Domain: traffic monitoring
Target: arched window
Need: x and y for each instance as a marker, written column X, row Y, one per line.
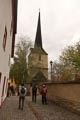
column 39, row 57
column 5, row 38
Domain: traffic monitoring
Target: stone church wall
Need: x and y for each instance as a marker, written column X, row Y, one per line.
column 35, row 65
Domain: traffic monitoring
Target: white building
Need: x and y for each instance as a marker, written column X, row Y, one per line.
column 8, row 23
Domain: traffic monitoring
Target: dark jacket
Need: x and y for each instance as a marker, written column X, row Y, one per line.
column 34, row 90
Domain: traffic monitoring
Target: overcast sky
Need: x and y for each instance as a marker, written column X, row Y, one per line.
column 60, row 23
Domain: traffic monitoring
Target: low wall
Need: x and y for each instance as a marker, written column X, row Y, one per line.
column 65, row 94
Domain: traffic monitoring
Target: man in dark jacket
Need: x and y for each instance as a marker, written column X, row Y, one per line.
column 34, row 93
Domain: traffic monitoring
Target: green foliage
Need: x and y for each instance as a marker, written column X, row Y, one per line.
column 71, row 57
column 18, row 69
column 61, row 72
column 69, row 64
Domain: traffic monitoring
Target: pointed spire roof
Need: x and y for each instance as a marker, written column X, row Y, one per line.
column 38, row 39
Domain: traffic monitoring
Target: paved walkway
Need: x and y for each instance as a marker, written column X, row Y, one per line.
column 32, row 111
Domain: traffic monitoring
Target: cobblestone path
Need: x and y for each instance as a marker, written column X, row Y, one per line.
column 32, row 111
column 10, row 111
column 52, row 111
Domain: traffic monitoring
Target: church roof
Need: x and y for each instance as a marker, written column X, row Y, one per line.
column 38, row 39
column 39, row 76
column 38, row 50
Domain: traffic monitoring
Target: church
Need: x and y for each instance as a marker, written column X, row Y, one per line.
column 38, row 59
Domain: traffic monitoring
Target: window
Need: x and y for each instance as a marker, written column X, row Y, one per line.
column 9, row 60
column 6, row 86
column 0, row 76
column 5, row 38
column 3, row 86
column 40, row 58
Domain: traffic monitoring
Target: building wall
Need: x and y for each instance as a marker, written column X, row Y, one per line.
column 36, row 65
column 5, row 21
column 66, row 95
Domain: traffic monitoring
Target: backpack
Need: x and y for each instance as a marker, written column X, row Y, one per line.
column 44, row 90
column 22, row 90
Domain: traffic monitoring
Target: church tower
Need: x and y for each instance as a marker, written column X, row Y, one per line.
column 38, row 59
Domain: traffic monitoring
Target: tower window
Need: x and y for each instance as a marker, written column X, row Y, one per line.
column 39, row 58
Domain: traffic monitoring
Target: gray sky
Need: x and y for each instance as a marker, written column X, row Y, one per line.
column 60, row 23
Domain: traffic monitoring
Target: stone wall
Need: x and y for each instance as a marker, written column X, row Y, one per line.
column 65, row 94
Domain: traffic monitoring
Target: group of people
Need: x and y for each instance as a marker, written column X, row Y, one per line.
column 43, row 92
column 11, row 90
column 23, row 91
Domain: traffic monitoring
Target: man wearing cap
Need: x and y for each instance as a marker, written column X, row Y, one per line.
column 43, row 93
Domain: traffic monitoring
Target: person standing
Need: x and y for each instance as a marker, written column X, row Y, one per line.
column 12, row 90
column 43, row 93
column 34, row 93
column 19, row 89
column 22, row 93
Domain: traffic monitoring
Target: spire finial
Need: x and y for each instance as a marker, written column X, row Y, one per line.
column 39, row 9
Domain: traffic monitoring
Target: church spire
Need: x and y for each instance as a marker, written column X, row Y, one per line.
column 38, row 39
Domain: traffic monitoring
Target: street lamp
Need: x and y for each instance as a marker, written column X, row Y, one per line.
column 51, row 63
